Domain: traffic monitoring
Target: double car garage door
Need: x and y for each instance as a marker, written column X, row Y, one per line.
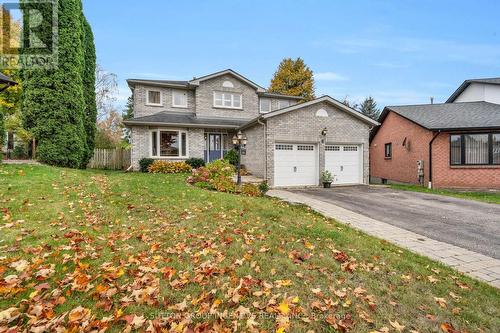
column 298, row 164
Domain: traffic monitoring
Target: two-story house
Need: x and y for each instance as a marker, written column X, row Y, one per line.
column 453, row 144
column 289, row 143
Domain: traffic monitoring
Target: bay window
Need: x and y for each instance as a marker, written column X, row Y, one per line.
column 227, row 100
column 168, row 143
column 475, row 149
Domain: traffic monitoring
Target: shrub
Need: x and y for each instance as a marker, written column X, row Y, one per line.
column 223, row 184
column 232, row 157
column 220, row 168
column 264, row 187
column 217, row 175
column 196, row 163
column 200, row 175
column 19, row 152
column 169, row 167
column 144, row 164
column 251, row 190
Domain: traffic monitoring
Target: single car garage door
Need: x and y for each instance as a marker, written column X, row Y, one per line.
column 345, row 162
column 295, row 164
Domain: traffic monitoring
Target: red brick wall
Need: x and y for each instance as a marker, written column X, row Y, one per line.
column 403, row 165
column 465, row 177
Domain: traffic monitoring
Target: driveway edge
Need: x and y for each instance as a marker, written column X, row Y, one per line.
column 474, row 264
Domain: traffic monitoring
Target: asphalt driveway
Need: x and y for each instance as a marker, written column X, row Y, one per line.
column 465, row 223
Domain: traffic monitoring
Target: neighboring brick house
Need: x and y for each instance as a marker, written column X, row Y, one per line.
column 289, row 144
column 457, row 142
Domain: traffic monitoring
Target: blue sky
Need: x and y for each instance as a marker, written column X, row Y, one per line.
column 400, row 52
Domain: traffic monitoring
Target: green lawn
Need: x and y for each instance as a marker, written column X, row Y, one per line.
column 144, row 251
column 491, row 197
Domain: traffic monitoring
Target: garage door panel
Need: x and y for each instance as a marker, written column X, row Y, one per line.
column 344, row 161
column 295, row 165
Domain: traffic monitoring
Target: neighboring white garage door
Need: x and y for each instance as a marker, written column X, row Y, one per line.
column 295, row 164
column 345, row 162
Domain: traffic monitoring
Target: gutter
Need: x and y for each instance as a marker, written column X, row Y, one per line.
column 259, row 121
column 430, row 157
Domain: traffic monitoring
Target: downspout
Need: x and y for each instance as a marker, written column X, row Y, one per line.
column 259, row 121
column 430, row 158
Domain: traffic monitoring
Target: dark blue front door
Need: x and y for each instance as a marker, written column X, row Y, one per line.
column 214, row 147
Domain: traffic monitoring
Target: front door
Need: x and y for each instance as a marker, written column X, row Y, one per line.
column 214, row 147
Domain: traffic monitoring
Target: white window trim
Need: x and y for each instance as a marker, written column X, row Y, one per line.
column 154, row 104
column 270, row 105
column 232, row 101
column 158, row 157
column 173, row 99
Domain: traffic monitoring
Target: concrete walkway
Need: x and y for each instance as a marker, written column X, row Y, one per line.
column 472, row 263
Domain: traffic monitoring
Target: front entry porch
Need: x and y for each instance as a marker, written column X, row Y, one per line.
column 217, row 144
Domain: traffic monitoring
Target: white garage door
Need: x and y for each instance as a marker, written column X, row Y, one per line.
column 295, row 164
column 345, row 163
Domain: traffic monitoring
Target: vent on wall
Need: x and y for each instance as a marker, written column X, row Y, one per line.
column 322, row 113
column 228, row 84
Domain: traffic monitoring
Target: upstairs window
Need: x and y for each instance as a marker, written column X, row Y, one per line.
column 179, row 99
column 227, row 100
column 153, row 97
column 284, row 103
column 475, row 149
column 265, row 105
column 388, row 150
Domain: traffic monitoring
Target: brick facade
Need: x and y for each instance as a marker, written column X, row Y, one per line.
column 402, row 167
column 303, row 126
column 446, row 176
column 140, row 99
column 205, row 98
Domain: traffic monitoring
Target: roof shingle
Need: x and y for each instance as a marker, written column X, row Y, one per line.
column 449, row 116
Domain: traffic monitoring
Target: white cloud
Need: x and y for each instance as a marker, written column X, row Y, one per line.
column 329, row 76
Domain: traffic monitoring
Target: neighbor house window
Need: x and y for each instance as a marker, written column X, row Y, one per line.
column 388, row 150
column 179, row 99
column 265, row 105
column 227, row 100
column 153, row 97
column 475, row 149
column 495, row 138
column 168, row 143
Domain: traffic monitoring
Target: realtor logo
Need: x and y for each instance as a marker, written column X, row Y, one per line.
column 29, row 34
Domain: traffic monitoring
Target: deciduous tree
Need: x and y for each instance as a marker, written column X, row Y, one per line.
column 295, row 78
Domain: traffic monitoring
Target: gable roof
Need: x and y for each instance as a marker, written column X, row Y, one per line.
column 466, row 83
column 196, row 81
column 327, row 99
column 321, row 99
column 449, row 116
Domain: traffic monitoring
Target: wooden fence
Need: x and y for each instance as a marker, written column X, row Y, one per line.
column 113, row 159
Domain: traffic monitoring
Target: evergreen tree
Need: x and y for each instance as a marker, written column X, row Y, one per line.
column 53, row 99
column 293, row 77
column 90, row 113
column 369, row 108
column 128, row 113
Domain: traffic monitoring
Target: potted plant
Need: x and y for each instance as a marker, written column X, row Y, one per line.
column 327, row 179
